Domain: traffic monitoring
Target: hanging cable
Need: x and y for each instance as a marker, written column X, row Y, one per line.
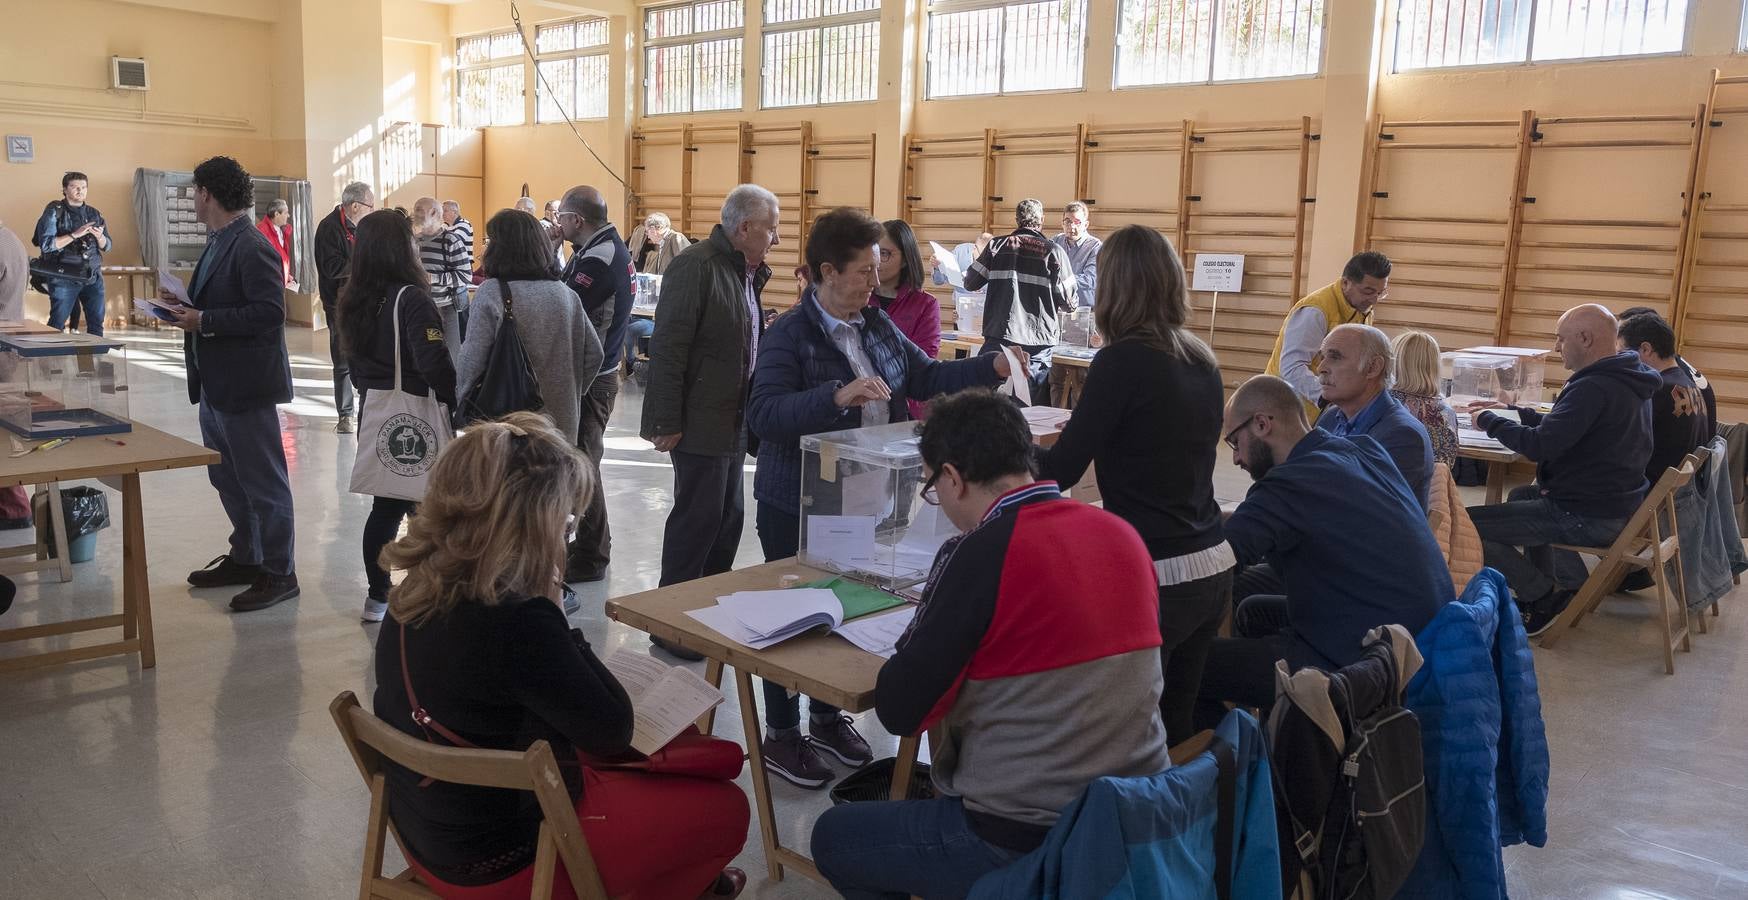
column 528, row 50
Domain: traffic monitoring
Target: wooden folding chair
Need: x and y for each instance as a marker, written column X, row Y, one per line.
column 372, row 740
column 1642, row 544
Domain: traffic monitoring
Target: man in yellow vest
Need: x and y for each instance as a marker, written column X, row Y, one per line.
column 1364, row 282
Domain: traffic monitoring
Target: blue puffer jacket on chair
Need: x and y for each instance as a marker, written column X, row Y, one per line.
column 1485, row 749
column 1136, row 838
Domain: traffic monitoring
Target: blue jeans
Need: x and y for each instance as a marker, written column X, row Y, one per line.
column 252, row 484
column 780, row 538
column 1532, row 522
column 89, row 297
column 636, row 330
column 922, row 848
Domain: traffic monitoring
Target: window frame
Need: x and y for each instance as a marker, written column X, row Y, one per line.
column 490, row 63
column 818, row 25
column 1213, row 49
column 932, row 7
column 1393, row 28
column 600, row 50
column 690, row 39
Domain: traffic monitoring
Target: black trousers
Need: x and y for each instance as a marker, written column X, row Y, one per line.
column 1258, row 579
column 593, row 547
column 1241, row 669
column 780, row 538
column 342, row 368
column 703, row 530
column 380, row 528
column 1189, row 620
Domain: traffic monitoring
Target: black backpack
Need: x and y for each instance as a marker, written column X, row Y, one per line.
column 1356, row 816
column 507, row 383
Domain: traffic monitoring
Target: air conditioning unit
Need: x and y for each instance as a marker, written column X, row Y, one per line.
column 128, row 74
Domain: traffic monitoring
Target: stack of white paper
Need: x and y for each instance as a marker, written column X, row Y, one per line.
column 761, row 619
column 878, row 634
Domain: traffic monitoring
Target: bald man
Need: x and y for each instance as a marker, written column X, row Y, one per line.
column 600, row 272
column 1341, row 527
column 1355, row 379
column 1590, row 452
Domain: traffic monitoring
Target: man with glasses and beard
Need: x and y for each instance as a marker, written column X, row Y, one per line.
column 1341, row 526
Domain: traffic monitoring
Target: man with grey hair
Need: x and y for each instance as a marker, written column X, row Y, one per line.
column 444, row 258
column 1355, row 378
column 454, row 220
column 701, row 359
column 600, row 274
column 1081, row 248
column 1029, row 281
column 333, row 256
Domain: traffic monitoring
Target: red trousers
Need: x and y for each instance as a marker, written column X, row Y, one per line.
column 653, row 837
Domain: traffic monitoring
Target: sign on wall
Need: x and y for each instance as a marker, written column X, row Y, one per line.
column 20, row 148
column 1218, row 272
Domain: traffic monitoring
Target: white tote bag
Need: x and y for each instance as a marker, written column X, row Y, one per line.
column 399, row 436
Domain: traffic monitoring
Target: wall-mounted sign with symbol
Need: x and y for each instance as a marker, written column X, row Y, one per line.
column 20, row 148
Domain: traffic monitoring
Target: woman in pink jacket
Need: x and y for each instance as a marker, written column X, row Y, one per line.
column 915, row 311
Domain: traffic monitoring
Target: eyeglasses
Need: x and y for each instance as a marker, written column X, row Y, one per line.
column 928, row 493
column 1231, row 438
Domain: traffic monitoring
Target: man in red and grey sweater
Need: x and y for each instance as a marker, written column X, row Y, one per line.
column 1034, row 658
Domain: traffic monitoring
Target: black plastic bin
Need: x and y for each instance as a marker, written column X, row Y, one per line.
column 873, row 782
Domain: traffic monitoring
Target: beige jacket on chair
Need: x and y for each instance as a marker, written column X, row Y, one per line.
column 1456, row 535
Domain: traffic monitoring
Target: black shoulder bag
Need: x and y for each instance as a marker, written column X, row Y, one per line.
column 507, row 383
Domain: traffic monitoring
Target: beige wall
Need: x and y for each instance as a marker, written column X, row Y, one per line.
column 58, row 93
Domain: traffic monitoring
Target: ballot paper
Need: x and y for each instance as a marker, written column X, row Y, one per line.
column 155, row 309
column 878, row 634
column 844, row 541
column 664, row 699
column 866, row 493
column 168, row 281
column 949, row 265
column 1477, row 439
column 1018, row 383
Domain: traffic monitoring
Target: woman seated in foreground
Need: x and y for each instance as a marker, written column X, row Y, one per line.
column 477, row 627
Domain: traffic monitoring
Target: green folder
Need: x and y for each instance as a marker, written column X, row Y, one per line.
column 858, row 599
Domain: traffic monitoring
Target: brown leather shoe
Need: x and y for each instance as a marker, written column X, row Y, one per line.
column 728, row 885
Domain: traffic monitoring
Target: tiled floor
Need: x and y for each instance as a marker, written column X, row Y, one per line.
column 218, row 774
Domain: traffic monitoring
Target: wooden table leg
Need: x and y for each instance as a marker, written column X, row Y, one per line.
column 903, row 766
column 1496, row 481
column 58, row 531
column 136, row 593
column 749, row 714
column 712, row 674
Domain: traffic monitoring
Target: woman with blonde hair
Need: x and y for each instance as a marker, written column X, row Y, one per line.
column 1149, row 416
column 476, row 635
column 1417, row 389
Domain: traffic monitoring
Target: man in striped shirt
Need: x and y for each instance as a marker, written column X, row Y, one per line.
column 443, row 253
column 455, row 222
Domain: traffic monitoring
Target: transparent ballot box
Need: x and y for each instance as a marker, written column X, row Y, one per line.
column 1513, row 378
column 861, row 514
column 62, row 385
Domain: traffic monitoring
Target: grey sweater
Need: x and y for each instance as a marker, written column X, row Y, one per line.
column 561, row 344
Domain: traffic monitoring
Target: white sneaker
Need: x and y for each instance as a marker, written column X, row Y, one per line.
column 374, row 610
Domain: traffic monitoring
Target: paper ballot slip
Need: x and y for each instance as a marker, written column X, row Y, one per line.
column 664, row 699
column 949, row 265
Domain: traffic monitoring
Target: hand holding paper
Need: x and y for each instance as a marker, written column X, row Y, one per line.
column 949, row 265
column 171, row 289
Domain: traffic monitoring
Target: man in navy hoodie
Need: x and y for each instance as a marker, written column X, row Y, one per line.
column 1590, row 453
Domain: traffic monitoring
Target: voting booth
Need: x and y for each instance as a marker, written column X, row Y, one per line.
column 861, row 511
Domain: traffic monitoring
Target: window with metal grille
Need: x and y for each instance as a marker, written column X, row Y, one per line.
column 489, row 80
column 573, row 70
column 979, row 48
column 820, row 51
column 1198, row 41
column 1438, row 33
column 692, row 56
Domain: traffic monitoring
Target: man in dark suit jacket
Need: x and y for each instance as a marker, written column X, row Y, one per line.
column 238, row 373
column 333, row 261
